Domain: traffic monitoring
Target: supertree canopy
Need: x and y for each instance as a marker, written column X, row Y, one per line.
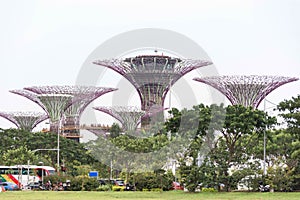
column 53, row 104
column 67, row 102
column 129, row 116
column 24, row 120
column 246, row 90
column 152, row 75
column 73, row 100
column 29, row 95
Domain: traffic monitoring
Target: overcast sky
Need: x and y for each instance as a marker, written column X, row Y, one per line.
column 46, row 42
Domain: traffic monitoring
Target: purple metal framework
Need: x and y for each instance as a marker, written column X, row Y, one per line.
column 51, row 104
column 29, row 95
column 79, row 98
column 246, row 90
column 64, row 101
column 24, row 120
column 129, row 116
column 152, row 75
column 55, row 105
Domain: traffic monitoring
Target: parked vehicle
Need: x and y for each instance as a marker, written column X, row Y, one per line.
column 34, row 186
column 129, row 187
column 177, row 186
column 22, row 174
column 9, row 186
column 116, row 182
column 263, row 188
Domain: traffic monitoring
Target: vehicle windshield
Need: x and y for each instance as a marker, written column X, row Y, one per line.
column 120, row 182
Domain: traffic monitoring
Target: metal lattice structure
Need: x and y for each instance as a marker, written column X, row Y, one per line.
column 129, row 116
column 152, row 75
column 29, row 95
column 24, row 120
column 47, row 101
column 246, row 90
column 55, row 105
column 69, row 101
column 102, row 131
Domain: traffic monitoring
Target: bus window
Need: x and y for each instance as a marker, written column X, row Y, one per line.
column 25, row 172
column 51, row 172
column 40, row 171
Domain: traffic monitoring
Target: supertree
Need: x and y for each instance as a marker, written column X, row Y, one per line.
column 152, row 75
column 128, row 116
column 55, row 105
column 246, row 90
column 69, row 102
column 24, row 120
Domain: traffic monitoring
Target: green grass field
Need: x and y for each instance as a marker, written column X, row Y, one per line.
column 172, row 195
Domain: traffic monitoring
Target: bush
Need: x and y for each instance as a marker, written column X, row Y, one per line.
column 104, row 188
column 209, row 190
column 78, row 183
column 156, row 190
column 149, row 180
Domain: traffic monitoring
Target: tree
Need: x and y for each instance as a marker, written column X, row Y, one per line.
column 196, row 131
column 129, row 153
column 115, row 130
column 71, row 153
column 290, row 111
column 240, row 123
column 19, row 156
column 233, row 123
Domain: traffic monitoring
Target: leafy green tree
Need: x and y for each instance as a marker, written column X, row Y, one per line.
column 129, row 153
column 196, row 128
column 290, row 111
column 290, row 138
column 240, row 125
column 71, row 153
column 234, row 124
column 19, row 156
column 115, row 130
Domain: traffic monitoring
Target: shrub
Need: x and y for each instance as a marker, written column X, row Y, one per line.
column 156, row 190
column 104, row 188
column 209, row 190
column 149, row 180
column 78, row 183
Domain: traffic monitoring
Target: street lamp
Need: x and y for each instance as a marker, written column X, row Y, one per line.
column 264, row 156
column 265, row 171
column 58, row 133
column 58, row 141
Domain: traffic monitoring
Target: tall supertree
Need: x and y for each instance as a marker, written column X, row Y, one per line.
column 53, row 104
column 129, row 116
column 74, row 99
column 24, row 120
column 246, row 90
column 152, row 75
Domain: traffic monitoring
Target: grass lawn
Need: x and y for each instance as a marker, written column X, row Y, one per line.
column 172, row 195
